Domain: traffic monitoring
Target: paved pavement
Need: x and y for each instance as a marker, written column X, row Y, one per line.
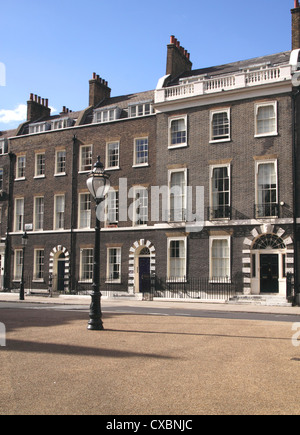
column 86, row 300
column 146, row 365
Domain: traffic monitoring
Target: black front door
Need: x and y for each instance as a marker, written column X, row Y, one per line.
column 144, row 275
column 269, row 273
column 61, row 275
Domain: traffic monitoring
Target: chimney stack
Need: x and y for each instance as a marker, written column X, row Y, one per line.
column 178, row 59
column 98, row 90
column 296, row 25
column 37, row 108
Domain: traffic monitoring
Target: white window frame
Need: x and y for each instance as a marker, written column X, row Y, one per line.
column 169, row 241
column 211, row 240
column 106, row 115
column 118, row 264
column 212, row 167
column 60, row 173
column 36, row 265
column 215, row 112
column 264, row 162
column 3, row 146
column 109, row 167
column 58, row 124
column 80, row 210
column 18, row 255
column 39, row 127
column 135, row 163
column 85, row 168
column 55, row 217
column 139, row 109
column 171, row 120
column 35, row 215
column 184, row 195
column 136, row 190
column 20, row 168
column 81, row 277
column 115, row 208
column 43, row 166
column 19, row 230
column 257, row 106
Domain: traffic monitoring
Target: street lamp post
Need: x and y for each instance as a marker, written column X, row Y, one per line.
column 24, row 243
column 98, row 184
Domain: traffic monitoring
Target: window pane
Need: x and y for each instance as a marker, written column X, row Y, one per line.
column 19, row 214
column 86, row 158
column 141, row 151
column 267, row 190
column 178, row 132
column 177, row 197
column 177, row 259
column 266, row 120
column 141, row 207
column 85, row 211
column 220, row 126
column 59, row 212
column 113, row 155
column 39, row 264
column 40, row 164
column 39, row 213
column 87, row 265
column 60, row 162
column 220, row 259
column 18, row 264
column 114, row 264
column 112, row 207
column 220, row 194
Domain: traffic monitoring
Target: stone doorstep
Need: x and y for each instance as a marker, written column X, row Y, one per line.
column 266, row 300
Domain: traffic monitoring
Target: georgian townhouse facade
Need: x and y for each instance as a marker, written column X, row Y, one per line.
column 230, row 132
column 204, row 174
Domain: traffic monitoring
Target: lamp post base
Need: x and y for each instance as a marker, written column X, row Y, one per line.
column 95, row 326
column 95, row 323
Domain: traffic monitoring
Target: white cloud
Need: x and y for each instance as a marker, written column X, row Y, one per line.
column 11, row 118
column 19, row 114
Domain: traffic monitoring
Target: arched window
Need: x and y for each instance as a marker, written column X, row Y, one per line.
column 269, row 241
column 145, row 251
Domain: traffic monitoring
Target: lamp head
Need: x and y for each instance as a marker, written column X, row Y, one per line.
column 98, row 182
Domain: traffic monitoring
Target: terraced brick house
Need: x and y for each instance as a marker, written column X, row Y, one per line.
column 204, row 175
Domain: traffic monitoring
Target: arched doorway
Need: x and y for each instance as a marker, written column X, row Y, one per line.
column 59, row 266
column 268, row 264
column 141, row 266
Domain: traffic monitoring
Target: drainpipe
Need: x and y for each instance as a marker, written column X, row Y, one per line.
column 294, row 111
column 72, row 281
column 7, row 264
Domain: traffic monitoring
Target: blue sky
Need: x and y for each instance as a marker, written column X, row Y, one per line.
column 52, row 48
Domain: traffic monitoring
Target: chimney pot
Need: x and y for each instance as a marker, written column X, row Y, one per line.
column 94, row 76
column 178, row 60
column 296, row 4
column 31, row 97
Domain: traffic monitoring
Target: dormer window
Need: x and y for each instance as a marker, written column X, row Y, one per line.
column 140, row 109
column 61, row 123
column 106, row 115
column 39, row 127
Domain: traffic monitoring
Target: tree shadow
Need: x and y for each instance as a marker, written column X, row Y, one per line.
column 14, row 345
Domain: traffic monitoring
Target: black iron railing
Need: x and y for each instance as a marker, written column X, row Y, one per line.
column 194, row 288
